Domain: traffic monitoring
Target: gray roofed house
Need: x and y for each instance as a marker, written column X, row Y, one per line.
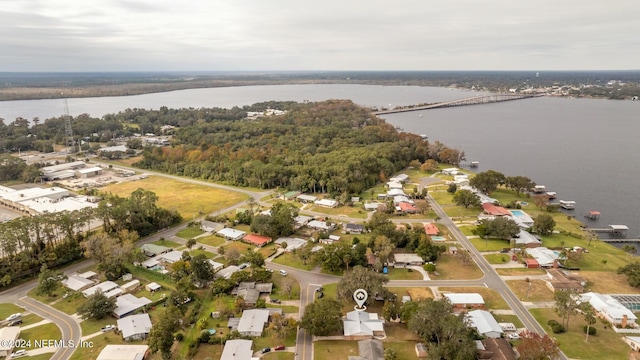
column 128, row 304
column 227, row 272
column 353, row 228
column 253, row 321
column 369, row 349
column 362, row 324
column 210, row 226
column 237, row 349
column 135, row 327
column 154, row 250
column 106, row 287
column 77, row 283
column 485, row 323
column 292, row 243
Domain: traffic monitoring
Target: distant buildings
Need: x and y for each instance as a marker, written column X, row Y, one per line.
column 40, row 200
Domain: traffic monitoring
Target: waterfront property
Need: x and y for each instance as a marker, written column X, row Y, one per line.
column 610, row 309
column 521, row 218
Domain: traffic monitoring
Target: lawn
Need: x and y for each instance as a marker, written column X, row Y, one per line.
column 607, row 282
column 404, row 274
column 7, row 310
column 333, row 350
column 492, row 300
column 519, row 271
column 211, row 240
column 497, row 258
column 278, row 280
column 450, row 268
column 341, row 211
column 489, row 244
column 189, row 232
column 415, row 293
column 243, row 248
column 279, row 355
column 514, row 319
column 606, row 344
column 168, row 243
column 70, row 304
column 99, row 342
column 93, row 326
column 289, row 259
column 538, row 290
column 189, row 199
column 41, row 333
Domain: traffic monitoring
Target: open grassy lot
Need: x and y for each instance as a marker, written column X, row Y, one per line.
column 607, row 282
column 188, row 199
column 450, row 268
column 341, row 211
column 401, row 340
column 41, row 332
column 279, row 355
column 167, row 243
column 538, row 291
column 278, row 292
column 70, row 304
column 498, row 258
column 492, row 300
column 514, row 319
column 292, row 260
column 189, row 232
column 489, row 244
column 519, row 271
column 243, row 248
column 334, row 349
column 415, row 293
column 93, row 326
column 404, row 274
column 211, row 240
column 606, row 344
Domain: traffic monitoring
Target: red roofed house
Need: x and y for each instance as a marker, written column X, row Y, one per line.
column 431, row 229
column 407, row 208
column 257, row 240
column 531, row 263
column 494, row 210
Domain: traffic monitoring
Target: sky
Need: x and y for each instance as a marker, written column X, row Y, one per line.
column 288, row 35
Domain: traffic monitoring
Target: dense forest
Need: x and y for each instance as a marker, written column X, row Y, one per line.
column 334, row 146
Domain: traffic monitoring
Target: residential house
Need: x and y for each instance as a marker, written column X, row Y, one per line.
column 494, row 210
column 231, row 234
column 394, row 193
column 169, row 257
column 450, row 171
column 496, row 349
column 633, row 341
column 461, row 301
column 152, row 287
column 216, row 266
column 329, row 203
column 610, row 309
column 361, row 325
column 401, row 178
column 127, row 304
column 108, row 288
column 135, row 327
column 123, row 352
column 372, row 206
column 154, row 250
column 253, row 321
column 525, row 239
column 353, row 228
column 237, row 349
column 301, row 220
column 8, row 337
column 320, row 225
column 77, row 283
column 369, row 349
column 403, row 260
column 292, row 243
column 250, row 291
column 257, row 240
column 290, row 195
column 406, row 208
column 560, row 280
column 130, row 286
column 306, row 199
column 431, row 229
column 394, row 185
column 211, row 226
column 546, row 258
column 227, row 272
column 330, row 240
column 484, row 323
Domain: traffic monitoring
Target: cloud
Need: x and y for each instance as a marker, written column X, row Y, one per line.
column 125, row 35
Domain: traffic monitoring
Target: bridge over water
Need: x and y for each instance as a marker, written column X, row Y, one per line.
column 475, row 100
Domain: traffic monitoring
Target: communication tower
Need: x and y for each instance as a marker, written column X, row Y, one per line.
column 67, row 128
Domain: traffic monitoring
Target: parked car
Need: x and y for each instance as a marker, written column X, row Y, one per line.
column 15, row 322
column 14, row 317
column 266, row 350
column 244, row 266
column 320, row 289
column 283, row 273
column 513, row 336
column 19, row 353
column 320, row 294
column 276, row 301
column 279, row 347
column 108, row 328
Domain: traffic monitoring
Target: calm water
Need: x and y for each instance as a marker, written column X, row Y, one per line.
column 585, row 150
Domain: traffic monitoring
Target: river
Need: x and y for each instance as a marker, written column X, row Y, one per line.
column 583, row 149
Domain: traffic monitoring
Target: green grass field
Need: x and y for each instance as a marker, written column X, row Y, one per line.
column 190, row 200
column 189, row 232
column 450, row 268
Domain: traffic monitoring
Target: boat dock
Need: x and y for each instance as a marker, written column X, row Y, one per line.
column 621, row 240
column 592, row 215
column 614, row 230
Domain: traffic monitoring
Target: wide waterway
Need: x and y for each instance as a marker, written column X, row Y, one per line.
column 585, row 150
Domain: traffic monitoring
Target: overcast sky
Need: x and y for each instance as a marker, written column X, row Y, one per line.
column 221, row 35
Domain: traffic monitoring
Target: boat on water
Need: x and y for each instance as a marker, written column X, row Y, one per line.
column 567, row 204
column 539, row 189
column 551, row 195
column 424, row 136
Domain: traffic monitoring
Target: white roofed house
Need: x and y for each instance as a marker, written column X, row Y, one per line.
column 77, row 283
column 394, row 185
column 127, row 304
column 329, row 203
column 123, row 352
column 253, row 321
column 362, row 325
column 107, row 288
column 320, row 225
column 461, row 301
column 237, row 349
column 610, row 309
column 401, row 178
column 304, row 198
column 231, row 234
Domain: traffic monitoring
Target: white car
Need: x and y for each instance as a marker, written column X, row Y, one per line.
column 19, row 353
column 513, row 336
column 283, row 273
column 108, row 328
column 14, row 317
